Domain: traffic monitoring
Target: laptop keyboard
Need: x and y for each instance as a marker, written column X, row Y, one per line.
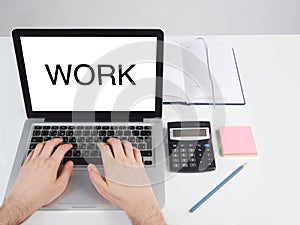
column 84, row 139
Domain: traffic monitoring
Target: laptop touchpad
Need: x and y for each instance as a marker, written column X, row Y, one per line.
column 81, row 191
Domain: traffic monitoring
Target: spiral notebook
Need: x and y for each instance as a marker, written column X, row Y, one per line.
column 202, row 71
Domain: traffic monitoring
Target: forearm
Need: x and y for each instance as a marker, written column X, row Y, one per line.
column 147, row 214
column 12, row 213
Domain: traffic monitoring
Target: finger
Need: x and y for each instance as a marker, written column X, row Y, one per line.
column 106, row 155
column 96, row 179
column 104, row 147
column 29, row 156
column 138, row 156
column 60, row 152
column 117, row 149
column 49, row 147
column 38, row 148
column 64, row 177
column 128, row 150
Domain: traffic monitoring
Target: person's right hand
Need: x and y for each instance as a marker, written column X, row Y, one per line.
column 126, row 183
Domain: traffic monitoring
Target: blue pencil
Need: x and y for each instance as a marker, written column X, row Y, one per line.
column 217, row 188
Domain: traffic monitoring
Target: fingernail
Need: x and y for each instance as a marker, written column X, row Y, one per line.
column 90, row 169
column 71, row 164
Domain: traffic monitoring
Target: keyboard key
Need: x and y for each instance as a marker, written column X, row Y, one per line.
column 89, row 139
column 141, row 146
column 46, row 127
column 47, row 138
column 193, row 165
column 184, row 165
column 36, row 133
column 139, row 139
column 184, row 160
column 192, row 159
column 80, row 127
column 36, row 139
column 97, row 139
column 149, row 144
column 77, row 153
column 53, row 133
column 37, row 127
column 78, row 132
column 110, row 133
column 102, row 133
column 70, row 133
column 131, row 128
column 105, row 139
column 139, row 127
column 65, row 139
column 54, row 127
column 32, row 146
column 88, row 127
column 146, row 153
column 61, row 133
column 86, row 153
column 82, row 146
column 127, row 133
column 84, row 161
column 119, row 133
column 135, row 133
column 105, row 127
column 45, row 133
column 122, row 127
column 131, row 139
column 191, row 154
column 74, row 146
column 91, row 146
column 98, row 127
column 148, row 162
column 63, row 127
column 86, row 133
column 69, row 153
column 147, row 127
column 72, row 140
column 81, row 139
column 94, row 133
column 71, row 127
column 94, row 153
column 145, row 133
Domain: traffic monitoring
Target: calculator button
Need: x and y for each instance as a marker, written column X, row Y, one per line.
column 184, row 160
column 175, row 150
column 190, row 145
column 206, row 145
column 174, row 145
column 192, row 159
column 183, row 150
column 176, row 165
column 191, row 154
column 191, row 149
column 183, row 154
column 176, row 160
column 193, row 165
column 175, row 155
column 184, row 165
column 182, row 145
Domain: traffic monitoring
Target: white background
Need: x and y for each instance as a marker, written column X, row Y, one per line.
column 45, row 96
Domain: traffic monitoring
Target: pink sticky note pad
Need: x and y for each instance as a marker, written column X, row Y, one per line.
column 237, row 140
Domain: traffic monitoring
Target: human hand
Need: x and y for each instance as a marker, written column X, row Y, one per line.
column 126, row 183
column 37, row 183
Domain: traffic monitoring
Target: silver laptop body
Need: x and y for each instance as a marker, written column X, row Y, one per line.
column 80, row 193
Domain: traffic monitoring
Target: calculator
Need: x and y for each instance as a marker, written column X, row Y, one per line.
column 190, row 146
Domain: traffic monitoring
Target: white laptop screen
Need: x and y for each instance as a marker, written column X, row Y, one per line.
column 91, row 73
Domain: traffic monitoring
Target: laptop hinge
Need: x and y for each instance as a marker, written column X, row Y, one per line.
column 104, row 119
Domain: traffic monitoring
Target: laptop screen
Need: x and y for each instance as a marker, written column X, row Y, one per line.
column 90, row 73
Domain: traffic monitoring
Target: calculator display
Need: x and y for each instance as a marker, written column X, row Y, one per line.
column 189, row 133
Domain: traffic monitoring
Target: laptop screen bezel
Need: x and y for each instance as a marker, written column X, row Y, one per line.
column 18, row 33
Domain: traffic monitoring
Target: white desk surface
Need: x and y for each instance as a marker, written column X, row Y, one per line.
column 266, row 192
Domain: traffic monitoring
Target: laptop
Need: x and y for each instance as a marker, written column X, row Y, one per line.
column 85, row 86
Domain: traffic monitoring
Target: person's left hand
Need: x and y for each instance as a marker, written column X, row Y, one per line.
column 37, row 183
